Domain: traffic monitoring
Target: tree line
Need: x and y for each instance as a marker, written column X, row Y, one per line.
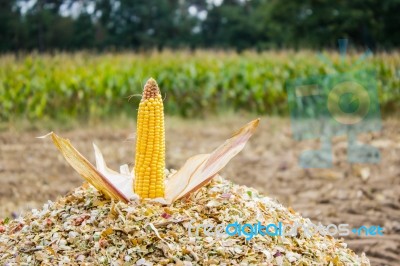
column 49, row 25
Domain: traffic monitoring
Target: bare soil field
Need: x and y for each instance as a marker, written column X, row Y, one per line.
column 33, row 172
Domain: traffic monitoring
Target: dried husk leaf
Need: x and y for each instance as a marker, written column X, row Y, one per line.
column 86, row 169
column 176, row 184
column 200, row 169
column 123, row 181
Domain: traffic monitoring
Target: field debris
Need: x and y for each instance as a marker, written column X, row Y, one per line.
column 85, row 228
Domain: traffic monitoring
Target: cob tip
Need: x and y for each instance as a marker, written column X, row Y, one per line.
column 151, row 89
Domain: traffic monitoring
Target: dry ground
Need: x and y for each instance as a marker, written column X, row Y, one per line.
column 32, row 172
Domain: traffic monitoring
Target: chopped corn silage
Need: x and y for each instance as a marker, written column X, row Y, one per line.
column 85, row 228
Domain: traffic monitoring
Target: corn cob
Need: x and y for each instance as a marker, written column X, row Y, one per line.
column 150, row 144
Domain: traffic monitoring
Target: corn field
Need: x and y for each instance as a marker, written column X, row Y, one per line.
column 86, row 85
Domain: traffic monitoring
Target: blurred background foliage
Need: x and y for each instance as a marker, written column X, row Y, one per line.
column 91, row 85
column 83, row 58
column 48, row 25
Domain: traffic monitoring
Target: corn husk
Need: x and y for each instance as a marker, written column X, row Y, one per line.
column 196, row 172
column 199, row 170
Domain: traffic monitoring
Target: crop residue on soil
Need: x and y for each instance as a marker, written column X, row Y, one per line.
column 83, row 227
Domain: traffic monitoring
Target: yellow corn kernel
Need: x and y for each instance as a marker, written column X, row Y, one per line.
column 150, row 144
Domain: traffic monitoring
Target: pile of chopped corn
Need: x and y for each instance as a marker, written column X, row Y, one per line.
column 85, row 228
